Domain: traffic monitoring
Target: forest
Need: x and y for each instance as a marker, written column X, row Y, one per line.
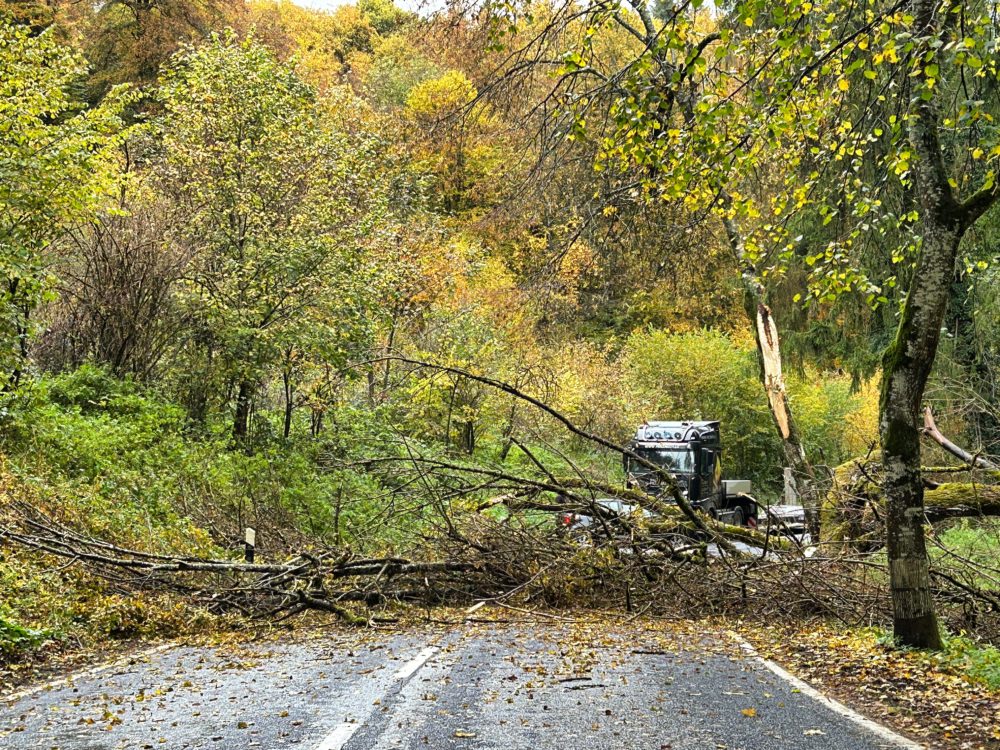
column 394, row 289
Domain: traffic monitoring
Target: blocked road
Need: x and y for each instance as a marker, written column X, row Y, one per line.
column 541, row 686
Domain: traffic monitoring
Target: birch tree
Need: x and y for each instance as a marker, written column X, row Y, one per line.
column 871, row 122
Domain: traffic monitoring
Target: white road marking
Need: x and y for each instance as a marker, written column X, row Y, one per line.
column 84, row 674
column 895, row 740
column 415, row 663
column 340, row 734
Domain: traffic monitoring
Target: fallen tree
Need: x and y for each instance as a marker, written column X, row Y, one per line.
column 503, row 550
column 489, row 533
column 463, row 549
column 321, row 580
column 854, row 508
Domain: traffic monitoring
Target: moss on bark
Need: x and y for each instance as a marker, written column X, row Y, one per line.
column 853, row 509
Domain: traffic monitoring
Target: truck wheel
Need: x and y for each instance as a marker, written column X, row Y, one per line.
column 739, row 517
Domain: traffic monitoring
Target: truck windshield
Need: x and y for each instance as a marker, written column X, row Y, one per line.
column 674, row 460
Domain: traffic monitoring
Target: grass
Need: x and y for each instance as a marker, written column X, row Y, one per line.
column 971, row 547
column 979, row 662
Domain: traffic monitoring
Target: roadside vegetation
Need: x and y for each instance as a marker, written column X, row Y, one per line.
column 393, row 290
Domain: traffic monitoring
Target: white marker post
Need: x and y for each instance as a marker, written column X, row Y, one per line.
column 251, row 542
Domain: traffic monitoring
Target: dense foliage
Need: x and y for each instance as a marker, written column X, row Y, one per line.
column 228, row 233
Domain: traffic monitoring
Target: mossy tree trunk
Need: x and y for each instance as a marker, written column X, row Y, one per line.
column 906, row 367
column 854, row 511
column 908, row 361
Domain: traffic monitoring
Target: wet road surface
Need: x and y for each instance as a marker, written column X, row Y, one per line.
column 582, row 686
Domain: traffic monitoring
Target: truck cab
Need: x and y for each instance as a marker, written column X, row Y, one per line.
column 691, row 452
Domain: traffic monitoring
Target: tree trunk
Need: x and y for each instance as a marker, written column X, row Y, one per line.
column 771, row 377
column 370, row 375
column 387, row 374
column 906, row 366
column 469, row 436
column 21, row 316
column 769, row 354
column 316, row 422
column 286, row 378
column 241, row 421
column 854, row 509
column 508, row 433
column 908, row 361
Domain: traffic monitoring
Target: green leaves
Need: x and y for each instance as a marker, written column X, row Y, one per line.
column 58, row 162
column 279, row 196
column 801, row 111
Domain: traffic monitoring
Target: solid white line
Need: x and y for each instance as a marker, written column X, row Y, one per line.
column 897, row 740
column 343, row 732
column 415, row 663
column 84, row 674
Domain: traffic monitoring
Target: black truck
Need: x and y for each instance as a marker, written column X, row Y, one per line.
column 691, row 452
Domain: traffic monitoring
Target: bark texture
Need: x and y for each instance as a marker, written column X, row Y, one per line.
column 908, row 361
column 906, row 367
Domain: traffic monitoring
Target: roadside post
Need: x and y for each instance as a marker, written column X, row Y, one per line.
column 250, row 541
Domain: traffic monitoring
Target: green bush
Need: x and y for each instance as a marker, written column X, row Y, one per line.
column 14, row 638
column 123, row 463
column 821, row 406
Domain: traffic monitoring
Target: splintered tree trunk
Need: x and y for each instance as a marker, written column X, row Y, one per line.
column 772, row 378
column 766, row 335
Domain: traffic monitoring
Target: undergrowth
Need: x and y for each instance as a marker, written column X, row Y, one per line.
column 115, row 461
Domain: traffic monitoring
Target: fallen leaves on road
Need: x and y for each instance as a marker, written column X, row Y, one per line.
column 910, row 691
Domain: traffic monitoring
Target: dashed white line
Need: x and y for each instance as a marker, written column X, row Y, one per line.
column 415, row 663
column 340, row 734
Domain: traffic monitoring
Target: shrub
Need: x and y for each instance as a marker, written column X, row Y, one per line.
column 14, row 638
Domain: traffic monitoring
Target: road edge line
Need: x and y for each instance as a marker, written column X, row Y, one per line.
column 83, row 674
column 834, row 705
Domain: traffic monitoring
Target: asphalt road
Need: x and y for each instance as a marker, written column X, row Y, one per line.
column 538, row 687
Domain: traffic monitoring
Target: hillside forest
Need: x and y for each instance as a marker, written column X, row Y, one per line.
column 395, row 288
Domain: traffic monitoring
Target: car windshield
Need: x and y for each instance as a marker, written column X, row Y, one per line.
column 674, row 460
